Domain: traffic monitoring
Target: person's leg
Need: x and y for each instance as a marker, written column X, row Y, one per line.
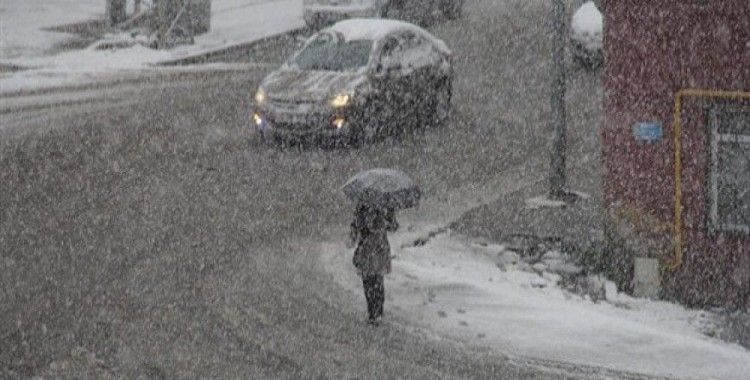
column 369, row 284
column 379, row 290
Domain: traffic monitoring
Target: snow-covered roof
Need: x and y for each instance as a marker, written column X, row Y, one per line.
column 587, row 19
column 377, row 28
column 370, row 28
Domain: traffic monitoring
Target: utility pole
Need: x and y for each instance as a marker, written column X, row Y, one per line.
column 557, row 102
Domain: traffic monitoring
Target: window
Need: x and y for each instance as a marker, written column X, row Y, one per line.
column 389, row 51
column 396, row 49
column 419, row 52
column 730, row 168
column 329, row 53
column 408, row 50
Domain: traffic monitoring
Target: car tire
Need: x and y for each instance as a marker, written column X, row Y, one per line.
column 353, row 142
column 441, row 102
column 357, row 136
column 258, row 138
column 277, row 141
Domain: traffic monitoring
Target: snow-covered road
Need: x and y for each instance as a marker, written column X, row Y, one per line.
column 151, row 237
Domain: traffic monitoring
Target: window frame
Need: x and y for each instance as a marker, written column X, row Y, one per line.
column 717, row 223
column 384, row 52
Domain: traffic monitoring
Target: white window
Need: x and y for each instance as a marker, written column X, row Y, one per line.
column 730, row 168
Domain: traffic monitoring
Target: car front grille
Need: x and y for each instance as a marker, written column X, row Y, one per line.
column 291, row 105
column 294, row 127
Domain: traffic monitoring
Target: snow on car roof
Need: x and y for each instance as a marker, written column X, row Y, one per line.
column 377, row 28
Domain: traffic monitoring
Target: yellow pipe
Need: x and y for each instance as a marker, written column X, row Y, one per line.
column 677, row 121
column 677, row 127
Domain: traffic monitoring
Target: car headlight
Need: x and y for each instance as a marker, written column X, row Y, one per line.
column 260, row 96
column 341, row 100
column 257, row 119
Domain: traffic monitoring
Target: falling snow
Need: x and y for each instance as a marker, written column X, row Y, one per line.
column 176, row 205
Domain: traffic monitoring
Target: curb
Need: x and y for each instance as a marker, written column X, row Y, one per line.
column 144, row 75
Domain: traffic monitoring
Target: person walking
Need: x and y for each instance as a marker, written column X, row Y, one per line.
column 372, row 256
column 377, row 194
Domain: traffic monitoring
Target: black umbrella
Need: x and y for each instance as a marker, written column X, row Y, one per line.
column 389, row 188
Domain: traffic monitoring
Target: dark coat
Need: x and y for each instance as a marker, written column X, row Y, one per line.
column 369, row 229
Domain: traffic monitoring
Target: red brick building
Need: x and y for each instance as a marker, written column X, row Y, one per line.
column 677, row 74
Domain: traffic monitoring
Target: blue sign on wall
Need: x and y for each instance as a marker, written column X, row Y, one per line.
column 648, row 131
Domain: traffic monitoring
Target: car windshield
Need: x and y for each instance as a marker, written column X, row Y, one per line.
column 328, row 53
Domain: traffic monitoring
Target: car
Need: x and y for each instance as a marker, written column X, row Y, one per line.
column 320, row 13
column 355, row 81
column 587, row 45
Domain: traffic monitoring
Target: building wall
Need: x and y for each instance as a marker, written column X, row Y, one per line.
column 654, row 48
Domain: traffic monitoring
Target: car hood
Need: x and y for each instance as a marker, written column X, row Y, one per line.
column 310, row 86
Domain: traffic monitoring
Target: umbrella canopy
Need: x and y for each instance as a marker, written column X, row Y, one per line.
column 389, row 188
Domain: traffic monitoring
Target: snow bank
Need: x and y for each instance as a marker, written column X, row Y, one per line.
column 79, row 67
column 527, row 314
column 93, row 60
column 233, row 22
column 22, row 23
column 459, row 290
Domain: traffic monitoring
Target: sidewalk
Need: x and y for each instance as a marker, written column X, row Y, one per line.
column 523, row 219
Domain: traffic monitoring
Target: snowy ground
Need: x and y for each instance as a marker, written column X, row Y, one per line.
column 458, row 289
column 22, row 24
column 24, row 44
